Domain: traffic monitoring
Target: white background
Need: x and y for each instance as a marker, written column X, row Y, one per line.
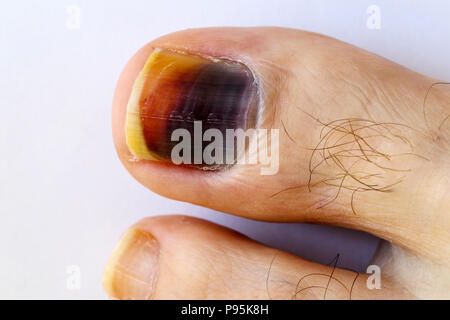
column 64, row 196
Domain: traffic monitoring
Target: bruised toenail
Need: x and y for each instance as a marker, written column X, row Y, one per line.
column 179, row 91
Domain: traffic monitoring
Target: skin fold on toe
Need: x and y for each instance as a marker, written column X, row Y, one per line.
column 363, row 142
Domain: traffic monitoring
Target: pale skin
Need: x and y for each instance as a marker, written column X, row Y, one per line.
column 309, row 84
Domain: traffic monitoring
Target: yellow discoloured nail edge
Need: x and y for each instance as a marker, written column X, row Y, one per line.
column 134, row 132
column 132, row 267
